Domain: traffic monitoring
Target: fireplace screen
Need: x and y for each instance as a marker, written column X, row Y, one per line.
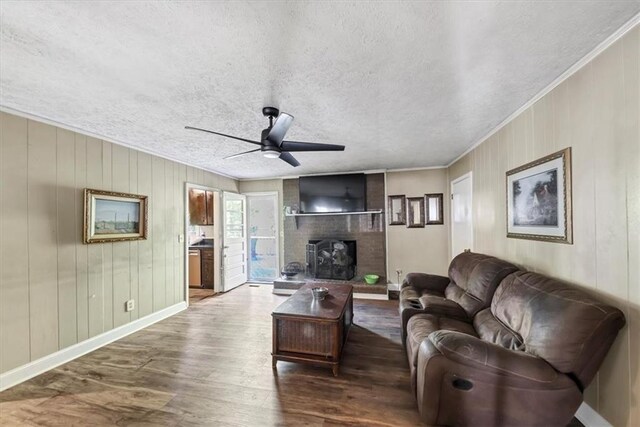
column 331, row 259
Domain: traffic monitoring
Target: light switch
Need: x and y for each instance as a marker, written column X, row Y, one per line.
column 180, row 238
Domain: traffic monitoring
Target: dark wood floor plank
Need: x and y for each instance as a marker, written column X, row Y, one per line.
column 211, row 365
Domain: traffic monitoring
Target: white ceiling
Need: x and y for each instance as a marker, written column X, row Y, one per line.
column 400, row 84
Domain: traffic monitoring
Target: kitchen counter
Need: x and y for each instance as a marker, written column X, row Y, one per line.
column 202, row 244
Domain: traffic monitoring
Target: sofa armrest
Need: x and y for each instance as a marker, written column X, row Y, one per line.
column 423, row 281
column 491, row 358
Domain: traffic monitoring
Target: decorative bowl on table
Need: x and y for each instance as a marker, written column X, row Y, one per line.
column 292, row 269
column 371, row 279
column 319, row 293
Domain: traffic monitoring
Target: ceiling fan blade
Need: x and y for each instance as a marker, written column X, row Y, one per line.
column 240, row 154
column 222, row 134
column 309, row 146
column 289, row 159
column 279, row 128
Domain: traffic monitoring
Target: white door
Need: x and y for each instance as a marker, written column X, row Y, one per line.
column 461, row 215
column 262, row 225
column 234, row 240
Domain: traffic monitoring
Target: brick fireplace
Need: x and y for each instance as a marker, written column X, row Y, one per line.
column 365, row 231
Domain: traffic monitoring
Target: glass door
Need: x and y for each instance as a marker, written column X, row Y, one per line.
column 262, row 225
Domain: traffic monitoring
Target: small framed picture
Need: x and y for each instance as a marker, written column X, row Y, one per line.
column 435, row 214
column 415, row 209
column 539, row 199
column 397, row 213
column 114, row 217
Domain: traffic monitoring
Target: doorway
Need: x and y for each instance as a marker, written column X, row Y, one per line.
column 202, row 242
column 263, row 233
column 461, row 214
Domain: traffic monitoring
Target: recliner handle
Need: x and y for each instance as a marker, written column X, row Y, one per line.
column 462, row 384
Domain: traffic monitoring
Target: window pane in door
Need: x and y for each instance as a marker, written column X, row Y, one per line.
column 262, row 228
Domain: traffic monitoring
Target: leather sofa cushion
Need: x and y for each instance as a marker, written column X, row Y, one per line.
column 474, row 278
column 558, row 322
column 421, row 325
column 439, row 305
column 411, row 293
column 490, row 329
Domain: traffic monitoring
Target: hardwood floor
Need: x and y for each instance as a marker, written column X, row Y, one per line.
column 211, row 365
column 199, row 294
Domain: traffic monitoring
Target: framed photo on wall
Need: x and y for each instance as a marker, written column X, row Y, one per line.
column 539, row 199
column 397, row 213
column 415, row 209
column 435, row 213
column 114, row 217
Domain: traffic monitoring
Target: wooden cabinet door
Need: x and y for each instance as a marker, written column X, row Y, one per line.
column 209, row 197
column 206, row 259
column 197, row 207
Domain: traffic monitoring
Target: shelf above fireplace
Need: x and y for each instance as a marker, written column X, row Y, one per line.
column 298, row 215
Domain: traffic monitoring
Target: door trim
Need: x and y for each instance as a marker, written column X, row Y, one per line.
column 468, row 175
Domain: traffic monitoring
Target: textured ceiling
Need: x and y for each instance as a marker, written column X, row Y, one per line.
column 401, row 84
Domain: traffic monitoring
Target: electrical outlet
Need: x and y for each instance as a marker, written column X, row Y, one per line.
column 129, row 305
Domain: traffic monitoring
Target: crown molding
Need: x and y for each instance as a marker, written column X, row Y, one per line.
column 620, row 32
column 628, row 26
column 52, row 122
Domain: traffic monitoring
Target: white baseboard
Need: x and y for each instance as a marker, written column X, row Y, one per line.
column 371, row 296
column 393, row 286
column 37, row 367
column 590, row 418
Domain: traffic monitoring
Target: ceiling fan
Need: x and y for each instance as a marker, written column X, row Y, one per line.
column 272, row 142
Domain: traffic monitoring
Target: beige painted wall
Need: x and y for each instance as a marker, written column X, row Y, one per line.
column 54, row 290
column 418, row 249
column 258, row 186
column 596, row 112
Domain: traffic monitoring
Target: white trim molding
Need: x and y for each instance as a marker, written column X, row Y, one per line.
column 359, row 295
column 85, row 132
column 46, row 363
column 590, row 418
column 628, row 26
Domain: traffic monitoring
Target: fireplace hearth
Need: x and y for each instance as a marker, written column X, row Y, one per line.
column 331, row 259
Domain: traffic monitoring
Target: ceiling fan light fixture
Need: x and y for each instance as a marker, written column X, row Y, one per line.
column 271, row 154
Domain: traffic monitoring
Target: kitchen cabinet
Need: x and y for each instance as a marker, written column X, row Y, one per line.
column 209, row 200
column 206, row 260
column 200, row 207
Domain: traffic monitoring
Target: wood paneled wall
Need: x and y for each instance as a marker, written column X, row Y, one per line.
column 597, row 113
column 56, row 291
column 418, row 249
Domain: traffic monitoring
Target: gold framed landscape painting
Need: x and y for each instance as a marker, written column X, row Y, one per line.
column 114, row 217
column 539, row 199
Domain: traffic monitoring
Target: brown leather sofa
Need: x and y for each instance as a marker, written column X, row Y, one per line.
column 525, row 360
column 472, row 280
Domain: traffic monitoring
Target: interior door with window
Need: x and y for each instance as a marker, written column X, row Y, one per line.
column 234, row 249
column 461, row 215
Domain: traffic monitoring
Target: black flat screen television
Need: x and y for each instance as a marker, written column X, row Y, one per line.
column 333, row 193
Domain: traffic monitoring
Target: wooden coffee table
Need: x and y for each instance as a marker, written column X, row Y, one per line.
column 314, row 332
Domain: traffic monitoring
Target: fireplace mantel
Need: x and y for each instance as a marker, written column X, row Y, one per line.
column 298, row 215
